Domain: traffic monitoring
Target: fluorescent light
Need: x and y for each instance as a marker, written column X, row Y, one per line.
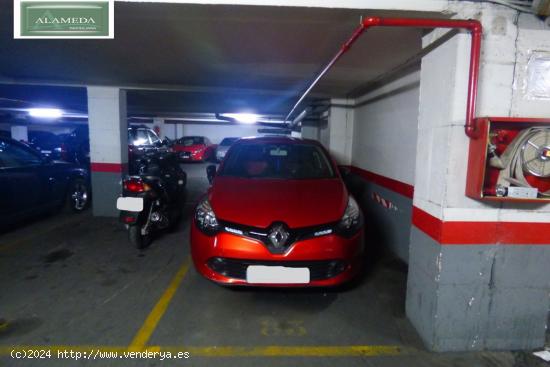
column 244, row 118
column 45, row 113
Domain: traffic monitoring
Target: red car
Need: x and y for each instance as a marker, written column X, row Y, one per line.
column 194, row 148
column 277, row 214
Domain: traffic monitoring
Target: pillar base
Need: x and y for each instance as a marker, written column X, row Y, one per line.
column 106, row 189
column 477, row 297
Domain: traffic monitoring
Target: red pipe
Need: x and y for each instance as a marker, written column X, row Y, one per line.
column 473, row 26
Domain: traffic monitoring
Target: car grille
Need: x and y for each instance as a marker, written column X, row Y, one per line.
column 262, row 234
column 236, row 268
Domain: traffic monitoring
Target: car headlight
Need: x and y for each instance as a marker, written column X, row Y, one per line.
column 352, row 220
column 205, row 218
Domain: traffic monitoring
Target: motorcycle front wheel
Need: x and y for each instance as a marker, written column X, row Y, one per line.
column 137, row 239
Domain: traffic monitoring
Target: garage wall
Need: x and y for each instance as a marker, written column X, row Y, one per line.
column 383, row 160
column 215, row 132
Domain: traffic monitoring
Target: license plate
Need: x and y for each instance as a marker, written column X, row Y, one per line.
column 261, row 274
column 186, row 155
column 130, row 204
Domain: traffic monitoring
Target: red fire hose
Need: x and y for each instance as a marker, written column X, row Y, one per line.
column 473, row 26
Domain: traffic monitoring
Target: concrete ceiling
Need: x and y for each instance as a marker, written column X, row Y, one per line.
column 237, row 57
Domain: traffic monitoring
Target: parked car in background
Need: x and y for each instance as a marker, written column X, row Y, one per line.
column 48, row 144
column 142, row 141
column 77, row 145
column 194, row 148
column 73, row 147
column 277, row 214
column 33, row 184
column 223, row 147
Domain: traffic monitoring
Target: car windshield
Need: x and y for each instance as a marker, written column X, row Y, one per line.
column 138, row 137
column 190, row 140
column 228, row 141
column 285, row 161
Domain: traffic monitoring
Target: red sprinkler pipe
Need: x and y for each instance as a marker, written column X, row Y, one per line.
column 473, row 26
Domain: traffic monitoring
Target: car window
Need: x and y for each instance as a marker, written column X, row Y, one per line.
column 12, row 155
column 138, row 137
column 287, row 161
column 190, row 140
column 228, row 141
column 153, row 137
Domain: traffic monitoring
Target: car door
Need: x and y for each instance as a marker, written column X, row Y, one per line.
column 21, row 181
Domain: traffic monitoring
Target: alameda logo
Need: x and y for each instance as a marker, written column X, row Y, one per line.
column 65, row 19
column 46, row 20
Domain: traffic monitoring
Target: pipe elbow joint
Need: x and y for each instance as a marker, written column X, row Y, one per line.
column 476, row 27
column 371, row 22
column 471, row 130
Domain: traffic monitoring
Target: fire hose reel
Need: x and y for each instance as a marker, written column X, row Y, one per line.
column 510, row 161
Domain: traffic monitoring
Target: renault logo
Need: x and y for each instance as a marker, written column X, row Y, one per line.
column 278, row 236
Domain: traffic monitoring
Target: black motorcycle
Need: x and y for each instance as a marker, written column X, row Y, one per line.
column 152, row 196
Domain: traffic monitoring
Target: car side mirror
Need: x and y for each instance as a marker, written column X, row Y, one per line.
column 211, row 173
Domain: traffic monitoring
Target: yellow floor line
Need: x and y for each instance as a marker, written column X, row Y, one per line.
column 234, row 351
column 148, row 327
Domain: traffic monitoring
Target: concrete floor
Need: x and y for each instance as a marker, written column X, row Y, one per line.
column 73, row 282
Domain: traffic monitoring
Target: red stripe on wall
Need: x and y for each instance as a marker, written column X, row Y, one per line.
column 108, row 167
column 389, row 183
column 481, row 233
column 463, row 233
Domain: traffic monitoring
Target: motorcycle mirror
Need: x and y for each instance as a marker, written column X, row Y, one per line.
column 211, row 173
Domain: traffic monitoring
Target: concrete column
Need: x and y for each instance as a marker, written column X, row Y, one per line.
column 478, row 275
column 340, row 131
column 19, row 133
column 108, row 146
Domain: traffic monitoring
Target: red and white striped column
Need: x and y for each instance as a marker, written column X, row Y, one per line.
column 478, row 275
column 108, row 146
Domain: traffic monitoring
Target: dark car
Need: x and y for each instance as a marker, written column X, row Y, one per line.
column 33, row 184
column 48, row 144
column 143, row 141
column 77, row 145
column 223, row 147
column 72, row 147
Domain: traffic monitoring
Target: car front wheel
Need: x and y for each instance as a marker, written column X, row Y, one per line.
column 79, row 195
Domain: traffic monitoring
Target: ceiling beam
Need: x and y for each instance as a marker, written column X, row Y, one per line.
column 417, row 5
column 159, row 87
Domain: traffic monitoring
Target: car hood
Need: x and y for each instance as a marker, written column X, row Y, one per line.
column 189, row 148
column 260, row 202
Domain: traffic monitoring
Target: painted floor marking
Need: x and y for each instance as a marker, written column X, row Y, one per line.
column 150, row 324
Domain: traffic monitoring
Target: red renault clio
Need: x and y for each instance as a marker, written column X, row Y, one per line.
column 277, row 214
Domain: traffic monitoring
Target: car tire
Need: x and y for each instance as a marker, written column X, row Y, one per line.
column 138, row 240
column 78, row 195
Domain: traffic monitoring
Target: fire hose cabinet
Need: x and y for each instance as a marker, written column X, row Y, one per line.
column 510, row 160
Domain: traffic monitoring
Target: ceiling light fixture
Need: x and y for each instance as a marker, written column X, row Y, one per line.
column 243, row 118
column 45, row 113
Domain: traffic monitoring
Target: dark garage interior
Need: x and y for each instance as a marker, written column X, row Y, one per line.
column 273, row 182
